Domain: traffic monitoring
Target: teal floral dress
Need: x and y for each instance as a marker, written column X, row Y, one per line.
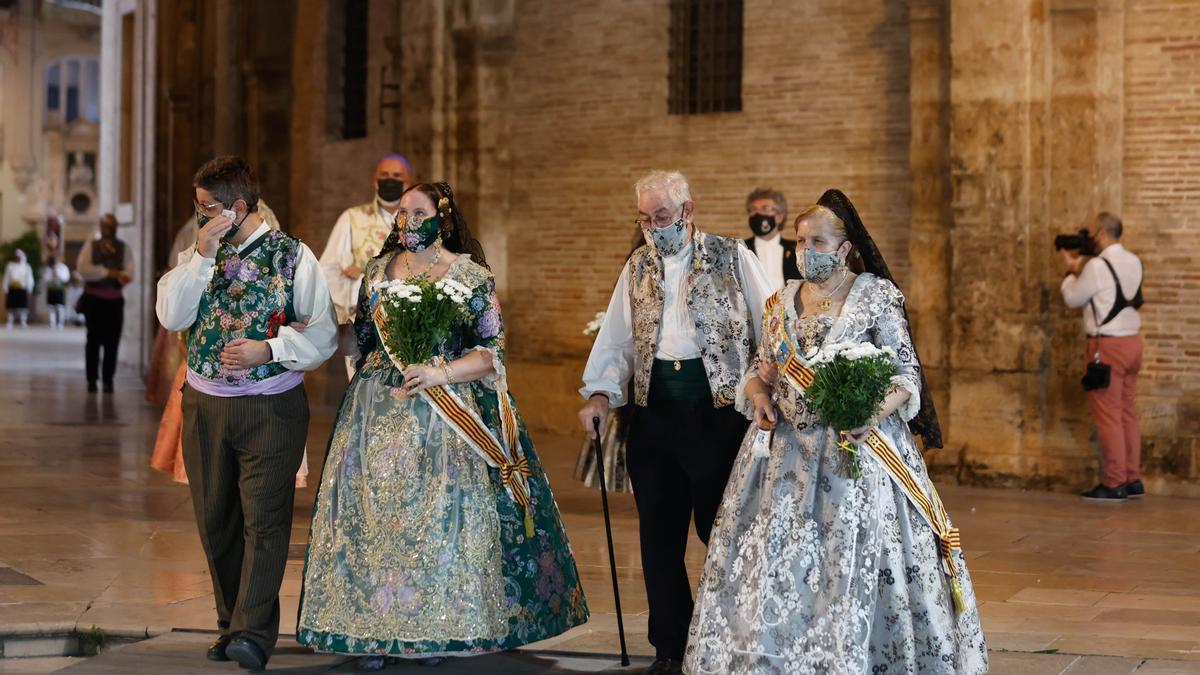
column 416, row 549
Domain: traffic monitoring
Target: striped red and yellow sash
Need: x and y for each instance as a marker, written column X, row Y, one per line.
column 928, row 504
column 502, row 453
column 514, row 470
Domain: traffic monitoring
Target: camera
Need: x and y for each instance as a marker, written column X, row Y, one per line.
column 1079, row 241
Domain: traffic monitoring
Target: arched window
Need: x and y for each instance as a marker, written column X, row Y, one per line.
column 73, row 90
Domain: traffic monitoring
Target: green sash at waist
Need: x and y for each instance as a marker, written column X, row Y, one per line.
column 688, row 382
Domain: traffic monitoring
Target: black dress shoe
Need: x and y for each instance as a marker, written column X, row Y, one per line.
column 217, row 651
column 1100, row 493
column 665, row 667
column 248, row 655
column 108, row 387
column 1135, row 489
column 92, row 388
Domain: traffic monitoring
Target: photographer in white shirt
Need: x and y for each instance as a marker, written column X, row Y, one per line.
column 1108, row 288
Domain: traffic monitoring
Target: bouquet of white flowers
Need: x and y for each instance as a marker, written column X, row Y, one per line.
column 418, row 316
column 851, row 381
column 593, row 326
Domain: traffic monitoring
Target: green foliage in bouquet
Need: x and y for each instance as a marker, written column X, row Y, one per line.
column 420, row 316
column 849, row 386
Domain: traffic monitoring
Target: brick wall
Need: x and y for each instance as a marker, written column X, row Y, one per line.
column 1161, row 211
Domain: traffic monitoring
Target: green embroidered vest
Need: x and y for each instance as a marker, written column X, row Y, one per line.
column 249, row 296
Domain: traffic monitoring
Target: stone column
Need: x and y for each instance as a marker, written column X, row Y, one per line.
column 1035, row 149
column 307, row 129
column 421, row 44
column 997, row 345
column 1085, row 148
column 929, row 300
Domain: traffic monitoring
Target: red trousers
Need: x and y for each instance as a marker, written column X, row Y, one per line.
column 1113, row 409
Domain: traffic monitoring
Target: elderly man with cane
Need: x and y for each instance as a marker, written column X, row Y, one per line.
column 682, row 325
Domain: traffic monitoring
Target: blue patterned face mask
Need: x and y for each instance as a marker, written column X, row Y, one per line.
column 669, row 240
column 818, row 267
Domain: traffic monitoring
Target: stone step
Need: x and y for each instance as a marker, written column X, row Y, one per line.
column 59, row 643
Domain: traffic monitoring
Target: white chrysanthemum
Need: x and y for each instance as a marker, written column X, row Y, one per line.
column 454, row 290
column 593, row 326
column 851, row 351
column 455, row 285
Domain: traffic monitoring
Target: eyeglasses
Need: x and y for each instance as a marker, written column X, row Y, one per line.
column 660, row 219
column 213, row 209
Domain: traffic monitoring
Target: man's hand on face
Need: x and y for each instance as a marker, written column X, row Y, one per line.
column 209, row 238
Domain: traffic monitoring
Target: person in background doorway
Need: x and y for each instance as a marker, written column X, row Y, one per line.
column 18, row 286
column 106, row 265
column 55, row 277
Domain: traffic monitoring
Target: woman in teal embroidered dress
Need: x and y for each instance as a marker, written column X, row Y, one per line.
column 417, row 549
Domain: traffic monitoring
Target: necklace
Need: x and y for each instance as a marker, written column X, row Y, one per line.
column 826, row 302
column 437, row 256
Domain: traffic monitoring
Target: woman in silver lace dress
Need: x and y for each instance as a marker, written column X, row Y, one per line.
column 809, row 569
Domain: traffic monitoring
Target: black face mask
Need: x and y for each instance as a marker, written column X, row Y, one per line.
column 761, row 225
column 389, row 189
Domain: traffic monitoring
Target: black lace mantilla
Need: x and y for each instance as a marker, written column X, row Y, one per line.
column 925, row 424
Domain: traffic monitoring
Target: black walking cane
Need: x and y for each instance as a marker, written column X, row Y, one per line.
column 612, row 558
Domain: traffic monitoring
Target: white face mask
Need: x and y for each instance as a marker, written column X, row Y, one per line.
column 669, row 240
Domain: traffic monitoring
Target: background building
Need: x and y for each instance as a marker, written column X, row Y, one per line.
column 968, row 134
column 49, row 118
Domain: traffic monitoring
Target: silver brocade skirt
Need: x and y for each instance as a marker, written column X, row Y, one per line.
column 812, row 571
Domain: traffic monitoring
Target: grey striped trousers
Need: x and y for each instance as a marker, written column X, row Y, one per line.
column 241, row 455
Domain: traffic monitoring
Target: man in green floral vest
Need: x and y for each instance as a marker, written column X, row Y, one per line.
column 257, row 314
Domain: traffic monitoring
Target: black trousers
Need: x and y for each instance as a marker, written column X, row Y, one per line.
column 241, row 455
column 680, row 456
column 104, row 321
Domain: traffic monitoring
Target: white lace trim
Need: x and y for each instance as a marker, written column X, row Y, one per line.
column 913, row 405
column 497, row 380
